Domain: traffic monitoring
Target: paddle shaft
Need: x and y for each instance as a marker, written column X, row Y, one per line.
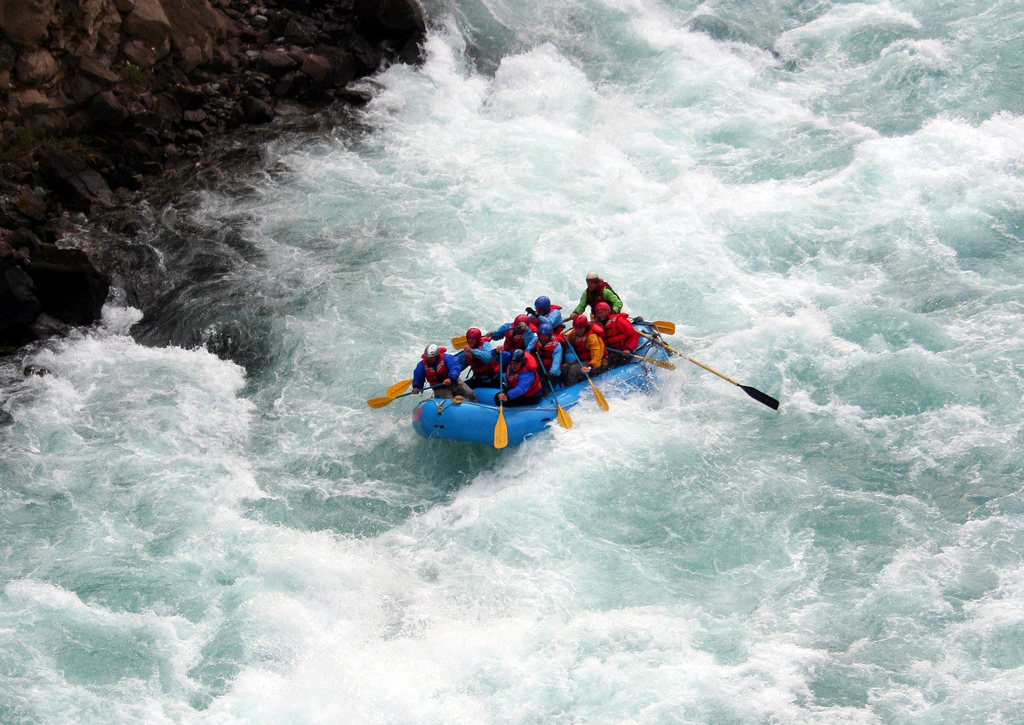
column 601, row 402
column 760, row 397
column 567, row 421
column 422, row 390
column 662, row 343
column 659, row 363
column 713, row 371
column 500, row 427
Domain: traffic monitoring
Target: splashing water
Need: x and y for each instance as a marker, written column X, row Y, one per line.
column 828, row 198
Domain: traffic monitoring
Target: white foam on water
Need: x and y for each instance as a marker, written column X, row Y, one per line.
column 186, row 544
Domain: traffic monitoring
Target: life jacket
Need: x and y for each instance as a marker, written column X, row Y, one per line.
column 598, row 295
column 546, row 352
column 436, row 376
column 512, row 378
column 535, row 321
column 482, row 370
column 580, row 346
column 514, row 343
column 619, row 333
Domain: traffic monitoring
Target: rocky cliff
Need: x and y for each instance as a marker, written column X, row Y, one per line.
column 98, row 95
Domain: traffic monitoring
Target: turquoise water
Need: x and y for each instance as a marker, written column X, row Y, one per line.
column 827, row 198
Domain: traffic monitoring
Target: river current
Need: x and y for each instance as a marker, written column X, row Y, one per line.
column 828, row 200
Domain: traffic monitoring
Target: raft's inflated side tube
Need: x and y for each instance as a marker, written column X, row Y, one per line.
column 474, row 422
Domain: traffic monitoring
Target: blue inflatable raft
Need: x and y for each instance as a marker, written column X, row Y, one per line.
column 474, row 422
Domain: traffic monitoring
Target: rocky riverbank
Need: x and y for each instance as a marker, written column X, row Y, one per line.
column 98, row 98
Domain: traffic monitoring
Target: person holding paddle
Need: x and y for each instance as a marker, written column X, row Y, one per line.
column 543, row 311
column 619, row 334
column 588, row 347
column 597, row 291
column 441, row 370
column 521, row 385
column 517, row 334
column 549, row 351
column 481, row 358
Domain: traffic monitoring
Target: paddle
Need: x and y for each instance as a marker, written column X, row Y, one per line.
column 653, row 361
column 563, row 418
column 398, row 388
column 660, row 342
column 376, row 403
column 669, row 328
column 500, row 428
column 460, row 342
column 752, row 392
column 601, row 402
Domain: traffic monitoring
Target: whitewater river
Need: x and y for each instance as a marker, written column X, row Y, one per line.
column 826, row 197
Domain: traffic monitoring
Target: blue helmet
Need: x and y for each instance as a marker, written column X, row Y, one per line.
column 545, row 329
column 542, row 304
column 518, row 355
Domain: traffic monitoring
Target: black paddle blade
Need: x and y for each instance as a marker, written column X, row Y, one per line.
column 761, row 397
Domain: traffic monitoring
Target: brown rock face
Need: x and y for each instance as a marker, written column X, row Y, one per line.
column 36, row 67
column 148, row 22
column 143, row 54
column 195, row 28
column 25, row 21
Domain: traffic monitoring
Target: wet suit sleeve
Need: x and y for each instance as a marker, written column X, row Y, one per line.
column 526, row 379
column 484, row 353
column 611, row 298
column 554, row 319
column 418, row 376
column 556, row 362
column 582, row 305
column 453, row 365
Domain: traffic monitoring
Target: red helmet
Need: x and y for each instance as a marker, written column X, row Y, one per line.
column 580, row 323
column 521, row 318
column 474, row 333
column 603, row 306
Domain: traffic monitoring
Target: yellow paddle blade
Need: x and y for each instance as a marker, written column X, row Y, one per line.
column 459, row 342
column 398, row 388
column 501, row 430
column 563, row 418
column 379, row 402
column 601, row 402
column 668, row 328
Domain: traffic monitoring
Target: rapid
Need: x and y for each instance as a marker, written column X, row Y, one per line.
column 828, row 200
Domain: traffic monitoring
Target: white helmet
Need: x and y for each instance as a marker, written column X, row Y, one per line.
column 593, row 276
column 430, row 351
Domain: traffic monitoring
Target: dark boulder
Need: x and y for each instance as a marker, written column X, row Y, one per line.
column 32, row 204
column 67, row 285
column 24, row 238
column 390, row 19
column 106, row 111
column 319, row 70
column 300, row 31
column 276, row 63
column 25, row 21
column 46, row 327
column 19, row 307
column 98, row 71
column 76, row 181
column 256, row 111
